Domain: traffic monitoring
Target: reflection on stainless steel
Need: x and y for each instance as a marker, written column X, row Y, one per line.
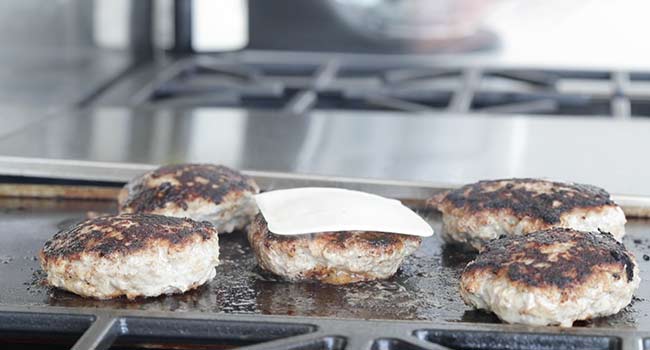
column 451, row 149
column 47, row 78
column 414, row 20
column 15, row 118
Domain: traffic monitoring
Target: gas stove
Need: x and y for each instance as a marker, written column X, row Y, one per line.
column 297, row 83
column 383, row 121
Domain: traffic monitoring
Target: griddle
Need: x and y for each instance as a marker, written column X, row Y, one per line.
column 418, row 308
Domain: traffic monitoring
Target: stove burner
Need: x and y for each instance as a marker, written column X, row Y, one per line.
column 297, row 88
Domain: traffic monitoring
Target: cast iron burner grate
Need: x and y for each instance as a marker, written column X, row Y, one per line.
column 61, row 328
column 336, row 84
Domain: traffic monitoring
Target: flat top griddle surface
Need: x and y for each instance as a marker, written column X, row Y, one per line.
column 425, row 287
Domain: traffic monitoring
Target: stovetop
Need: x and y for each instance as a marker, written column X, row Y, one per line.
column 299, row 83
column 413, row 118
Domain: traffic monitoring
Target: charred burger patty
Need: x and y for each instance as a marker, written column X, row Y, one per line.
column 330, row 257
column 477, row 213
column 131, row 255
column 551, row 277
column 199, row 191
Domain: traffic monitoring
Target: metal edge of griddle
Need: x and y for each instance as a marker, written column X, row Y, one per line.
column 633, row 205
column 106, row 326
column 268, row 180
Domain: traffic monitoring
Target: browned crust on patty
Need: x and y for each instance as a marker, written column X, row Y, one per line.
column 125, row 234
column 373, row 242
column 213, row 183
column 134, row 296
column 529, row 260
column 337, row 276
column 508, row 194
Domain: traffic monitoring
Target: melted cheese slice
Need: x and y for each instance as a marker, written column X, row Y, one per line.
column 318, row 209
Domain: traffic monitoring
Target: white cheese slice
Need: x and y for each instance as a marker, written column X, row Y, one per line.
column 320, row 209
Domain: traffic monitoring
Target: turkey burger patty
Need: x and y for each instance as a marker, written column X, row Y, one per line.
column 477, row 213
column 330, row 257
column 551, row 277
column 198, row 191
column 132, row 255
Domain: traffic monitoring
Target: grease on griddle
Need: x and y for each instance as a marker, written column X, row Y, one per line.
column 425, row 287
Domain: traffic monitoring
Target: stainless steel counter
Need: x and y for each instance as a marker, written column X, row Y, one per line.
column 436, row 148
column 15, row 118
column 47, row 78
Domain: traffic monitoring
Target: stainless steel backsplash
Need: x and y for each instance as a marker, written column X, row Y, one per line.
column 38, row 24
column 67, row 24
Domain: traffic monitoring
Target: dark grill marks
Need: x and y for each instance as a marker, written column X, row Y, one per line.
column 124, row 234
column 509, row 194
column 263, row 230
column 211, row 182
column 523, row 260
column 379, row 240
column 370, row 240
